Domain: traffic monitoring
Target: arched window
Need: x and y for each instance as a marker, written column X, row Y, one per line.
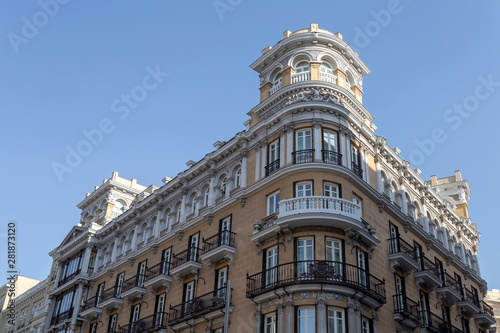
column 326, row 73
column 223, row 187
column 302, row 67
column 205, row 196
column 277, row 83
column 238, row 178
column 119, row 208
column 178, row 214
column 302, row 72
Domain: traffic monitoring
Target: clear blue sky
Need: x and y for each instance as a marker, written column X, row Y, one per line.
column 68, row 74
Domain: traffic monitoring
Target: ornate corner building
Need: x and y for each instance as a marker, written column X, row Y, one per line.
column 317, row 222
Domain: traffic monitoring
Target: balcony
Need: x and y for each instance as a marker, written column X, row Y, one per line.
column 486, row 317
column 90, row 308
column 406, row 311
column 56, row 319
column 332, row 157
column 430, row 323
column 469, row 303
column 201, row 308
column 301, row 77
column 272, row 167
column 60, row 329
column 358, row 171
column 326, row 275
column 158, row 276
column 319, row 204
column 428, row 274
column 218, row 247
column 330, row 78
column 275, row 88
column 151, row 323
column 68, row 278
column 303, row 156
column 450, row 290
column 402, row 255
column 110, row 299
column 133, row 288
column 186, row 262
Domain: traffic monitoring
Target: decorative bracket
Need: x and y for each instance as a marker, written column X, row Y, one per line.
column 243, row 201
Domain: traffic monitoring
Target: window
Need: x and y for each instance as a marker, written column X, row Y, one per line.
column 277, row 80
column 112, row 323
column 465, row 325
column 194, row 199
column 333, row 248
column 188, row 295
column 366, row 325
column 363, row 268
column 134, row 314
column 330, row 148
column 160, row 309
column 273, row 159
column 193, row 247
column 419, row 253
column 270, row 323
column 93, row 328
column 458, row 280
column 326, row 68
column 394, row 238
column 118, row 208
column 119, row 284
column 440, row 269
column 178, row 215
column 100, row 290
column 331, row 190
column 273, row 203
column 303, row 189
column 336, row 321
column 304, row 254
column 238, row 178
column 225, row 231
column 348, row 84
column 424, row 307
column 271, row 257
column 356, row 161
column 165, row 260
column 302, row 67
column 223, row 187
column 305, row 320
column 303, row 147
column 445, row 310
column 221, row 282
column 357, row 201
column 400, row 293
column 205, row 197
column 141, row 273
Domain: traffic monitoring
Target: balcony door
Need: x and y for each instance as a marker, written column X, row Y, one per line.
column 363, row 268
column 271, row 266
column 193, row 247
column 141, row 272
column 302, row 190
column 334, row 257
column 112, row 323
column 221, row 282
column 160, row 309
column 188, row 296
column 400, row 293
column 165, row 259
column 100, row 290
column 119, row 284
column 273, row 157
column 394, row 238
column 303, row 146
column 304, row 256
column 134, row 315
column 424, row 306
column 225, row 231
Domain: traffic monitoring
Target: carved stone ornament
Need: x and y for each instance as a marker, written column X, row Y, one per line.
column 210, row 219
column 313, row 94
column 243, row 201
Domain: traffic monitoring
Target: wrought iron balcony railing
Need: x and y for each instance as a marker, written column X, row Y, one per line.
column 485, row 308
column 162, row 268
column 436, row 324
column 197, row 307
column 135, row 281
column 449, row 281
column 191, row 254
column 469, row 296
column 155, row 322
column 303, row 156
column 110, row 293
column 397, row 244
column 406, row 307
column 358, row 171
column 272, row 167
column 332, row 157
column 92, row 302
column 224, row 237
column 316, row 271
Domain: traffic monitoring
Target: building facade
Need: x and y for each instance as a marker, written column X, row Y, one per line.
column 317, row 222
column 493, row 300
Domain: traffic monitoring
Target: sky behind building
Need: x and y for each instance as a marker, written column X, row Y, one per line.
column 141, row 88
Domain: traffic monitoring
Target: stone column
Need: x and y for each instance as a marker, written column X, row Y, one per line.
column 404, row 205
column 358, row 315
column 375, row 320
column 289, row 144
column 133, row 246
column 380, row 184
column 183, row 205
column 279, row 317
column 282, row 149
column 350, row 315
column 115, row 248
column 289, row 314
column 159, row 220
column 78, row 303
column 367, row 165
column 348, row 151
column 264, row 158
column 343, row 148
column 322, row 315
column 244, row 168
column 257, row 163
column 318, row 140
column 211, row 193
column 229, row 187
column 315, row 74
column 258, row 318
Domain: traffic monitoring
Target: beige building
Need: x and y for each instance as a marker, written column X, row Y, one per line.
column 493, row 300
column 11, row 295
column 319, row 225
